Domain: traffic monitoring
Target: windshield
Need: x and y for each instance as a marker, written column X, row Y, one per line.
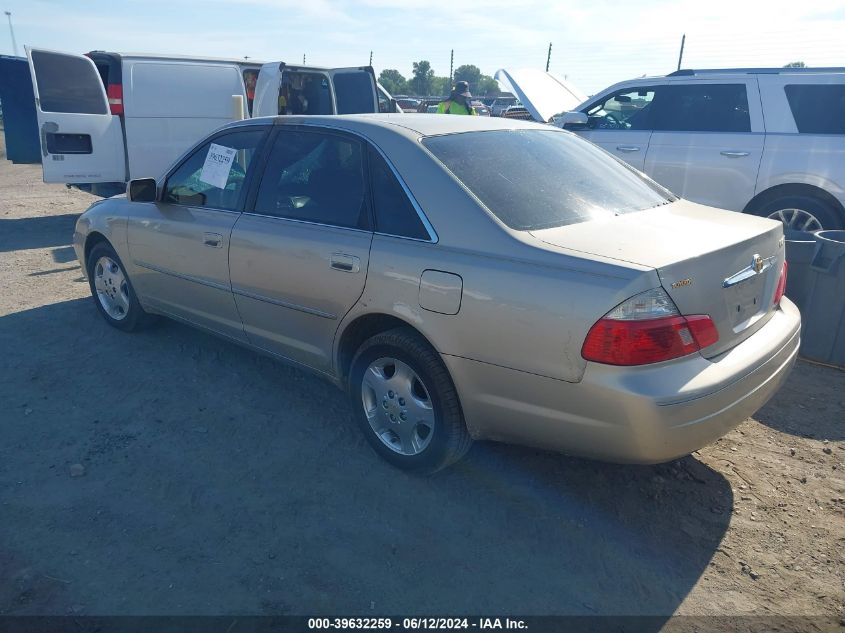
column 536, row 179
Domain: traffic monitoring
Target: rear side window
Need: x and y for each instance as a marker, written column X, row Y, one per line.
column 395, row 215
column 67, row 83
column 701, row 108
column 353, row 92
column 315, row 177
column 537, row 179
column 818, row 109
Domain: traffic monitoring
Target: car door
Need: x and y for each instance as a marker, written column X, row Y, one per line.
column 81, row 141
column 355, row 90
column 299, row 255
column 179, row 246
column 621, row 123
column 708, row 140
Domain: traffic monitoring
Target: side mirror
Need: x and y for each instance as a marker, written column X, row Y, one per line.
column 573, row 121
column 142, row 190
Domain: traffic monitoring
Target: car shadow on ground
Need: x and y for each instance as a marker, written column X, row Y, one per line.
column 37, row 232
column 215, row 481
column 813, row 392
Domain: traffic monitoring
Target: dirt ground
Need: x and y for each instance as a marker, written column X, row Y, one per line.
column 169, row 472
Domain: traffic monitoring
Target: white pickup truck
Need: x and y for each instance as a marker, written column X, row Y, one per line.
column 105, row 118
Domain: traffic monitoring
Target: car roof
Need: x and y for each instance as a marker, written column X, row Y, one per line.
column 409, row 124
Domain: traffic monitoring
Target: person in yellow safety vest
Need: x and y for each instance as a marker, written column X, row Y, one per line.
column 459, row 102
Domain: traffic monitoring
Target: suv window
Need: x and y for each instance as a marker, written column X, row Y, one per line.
column 537, row 179
column 624, row 110
column 67, row 83
column 213, row 176
column 314, row 177
column 817, row 109
column 701, row 108
column 395, row 215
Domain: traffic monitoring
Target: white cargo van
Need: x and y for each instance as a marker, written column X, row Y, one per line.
column 106, row 118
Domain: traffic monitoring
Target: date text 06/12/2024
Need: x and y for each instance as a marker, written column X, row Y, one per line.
column 413, row 624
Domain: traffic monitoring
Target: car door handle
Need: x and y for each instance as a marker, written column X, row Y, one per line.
column 345, row 263
column 628, row 148
column 734, row 154
column 213, row 240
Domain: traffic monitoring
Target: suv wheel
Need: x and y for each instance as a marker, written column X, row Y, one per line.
column 405, row 402
column 801, row 213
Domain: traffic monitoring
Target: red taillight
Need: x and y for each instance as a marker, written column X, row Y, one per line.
column 781, row 285
column 641, row 342
column 114, row 92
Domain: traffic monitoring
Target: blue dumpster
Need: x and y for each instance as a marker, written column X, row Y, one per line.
column 20, row 124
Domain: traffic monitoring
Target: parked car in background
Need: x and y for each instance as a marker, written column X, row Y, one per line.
column 575, row 305
column 500, row 104
column 517, row 112
column 431, row 109
column 408, row 104
column 770, row 142
column 427, row 102
column 480, row 108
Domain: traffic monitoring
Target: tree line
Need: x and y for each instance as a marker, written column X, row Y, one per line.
column 424, row 82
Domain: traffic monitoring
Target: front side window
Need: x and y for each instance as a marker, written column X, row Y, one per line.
column 394, row 212
column 627, row 109
column 67, row 83
column 315, row 177
column 817, row 109
column 213, row 176
column 537, row 179
column 701, row 108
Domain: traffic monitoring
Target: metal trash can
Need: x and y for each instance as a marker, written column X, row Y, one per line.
column 800, row 248
column 823, row 318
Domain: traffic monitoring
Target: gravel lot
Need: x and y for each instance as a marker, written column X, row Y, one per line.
column 170, row 472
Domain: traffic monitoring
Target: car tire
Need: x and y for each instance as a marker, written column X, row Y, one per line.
column 405, row 402
column 112, row 291
column 797, row 212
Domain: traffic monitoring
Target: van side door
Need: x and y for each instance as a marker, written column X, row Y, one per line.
column 81, row 141
column 708, row 140
column 355, row 90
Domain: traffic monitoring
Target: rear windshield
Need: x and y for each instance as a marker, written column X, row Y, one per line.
column 536, row 179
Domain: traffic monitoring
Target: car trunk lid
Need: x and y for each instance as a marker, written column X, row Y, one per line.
column 720, row 263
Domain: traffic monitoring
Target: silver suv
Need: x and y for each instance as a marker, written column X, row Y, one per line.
column 767, row 141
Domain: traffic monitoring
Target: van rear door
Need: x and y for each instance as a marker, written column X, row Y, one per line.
column 355, row 90
column 81, row 141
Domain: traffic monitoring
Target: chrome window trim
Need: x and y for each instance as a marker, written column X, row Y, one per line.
column 432, row 234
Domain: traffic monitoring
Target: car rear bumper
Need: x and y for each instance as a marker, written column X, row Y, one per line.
column 647, row 414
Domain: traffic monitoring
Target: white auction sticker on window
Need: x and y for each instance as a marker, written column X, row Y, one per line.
column 218, row 162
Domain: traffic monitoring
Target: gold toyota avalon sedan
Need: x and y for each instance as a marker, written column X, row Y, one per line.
column 461, row 278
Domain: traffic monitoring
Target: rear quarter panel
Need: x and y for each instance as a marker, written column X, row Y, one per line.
column 528, row 315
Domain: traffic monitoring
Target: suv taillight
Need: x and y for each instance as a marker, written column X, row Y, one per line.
column 781, row 287
column 114, row 92
column 647, row 329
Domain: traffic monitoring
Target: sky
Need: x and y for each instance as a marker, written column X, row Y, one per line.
column 595, row 43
